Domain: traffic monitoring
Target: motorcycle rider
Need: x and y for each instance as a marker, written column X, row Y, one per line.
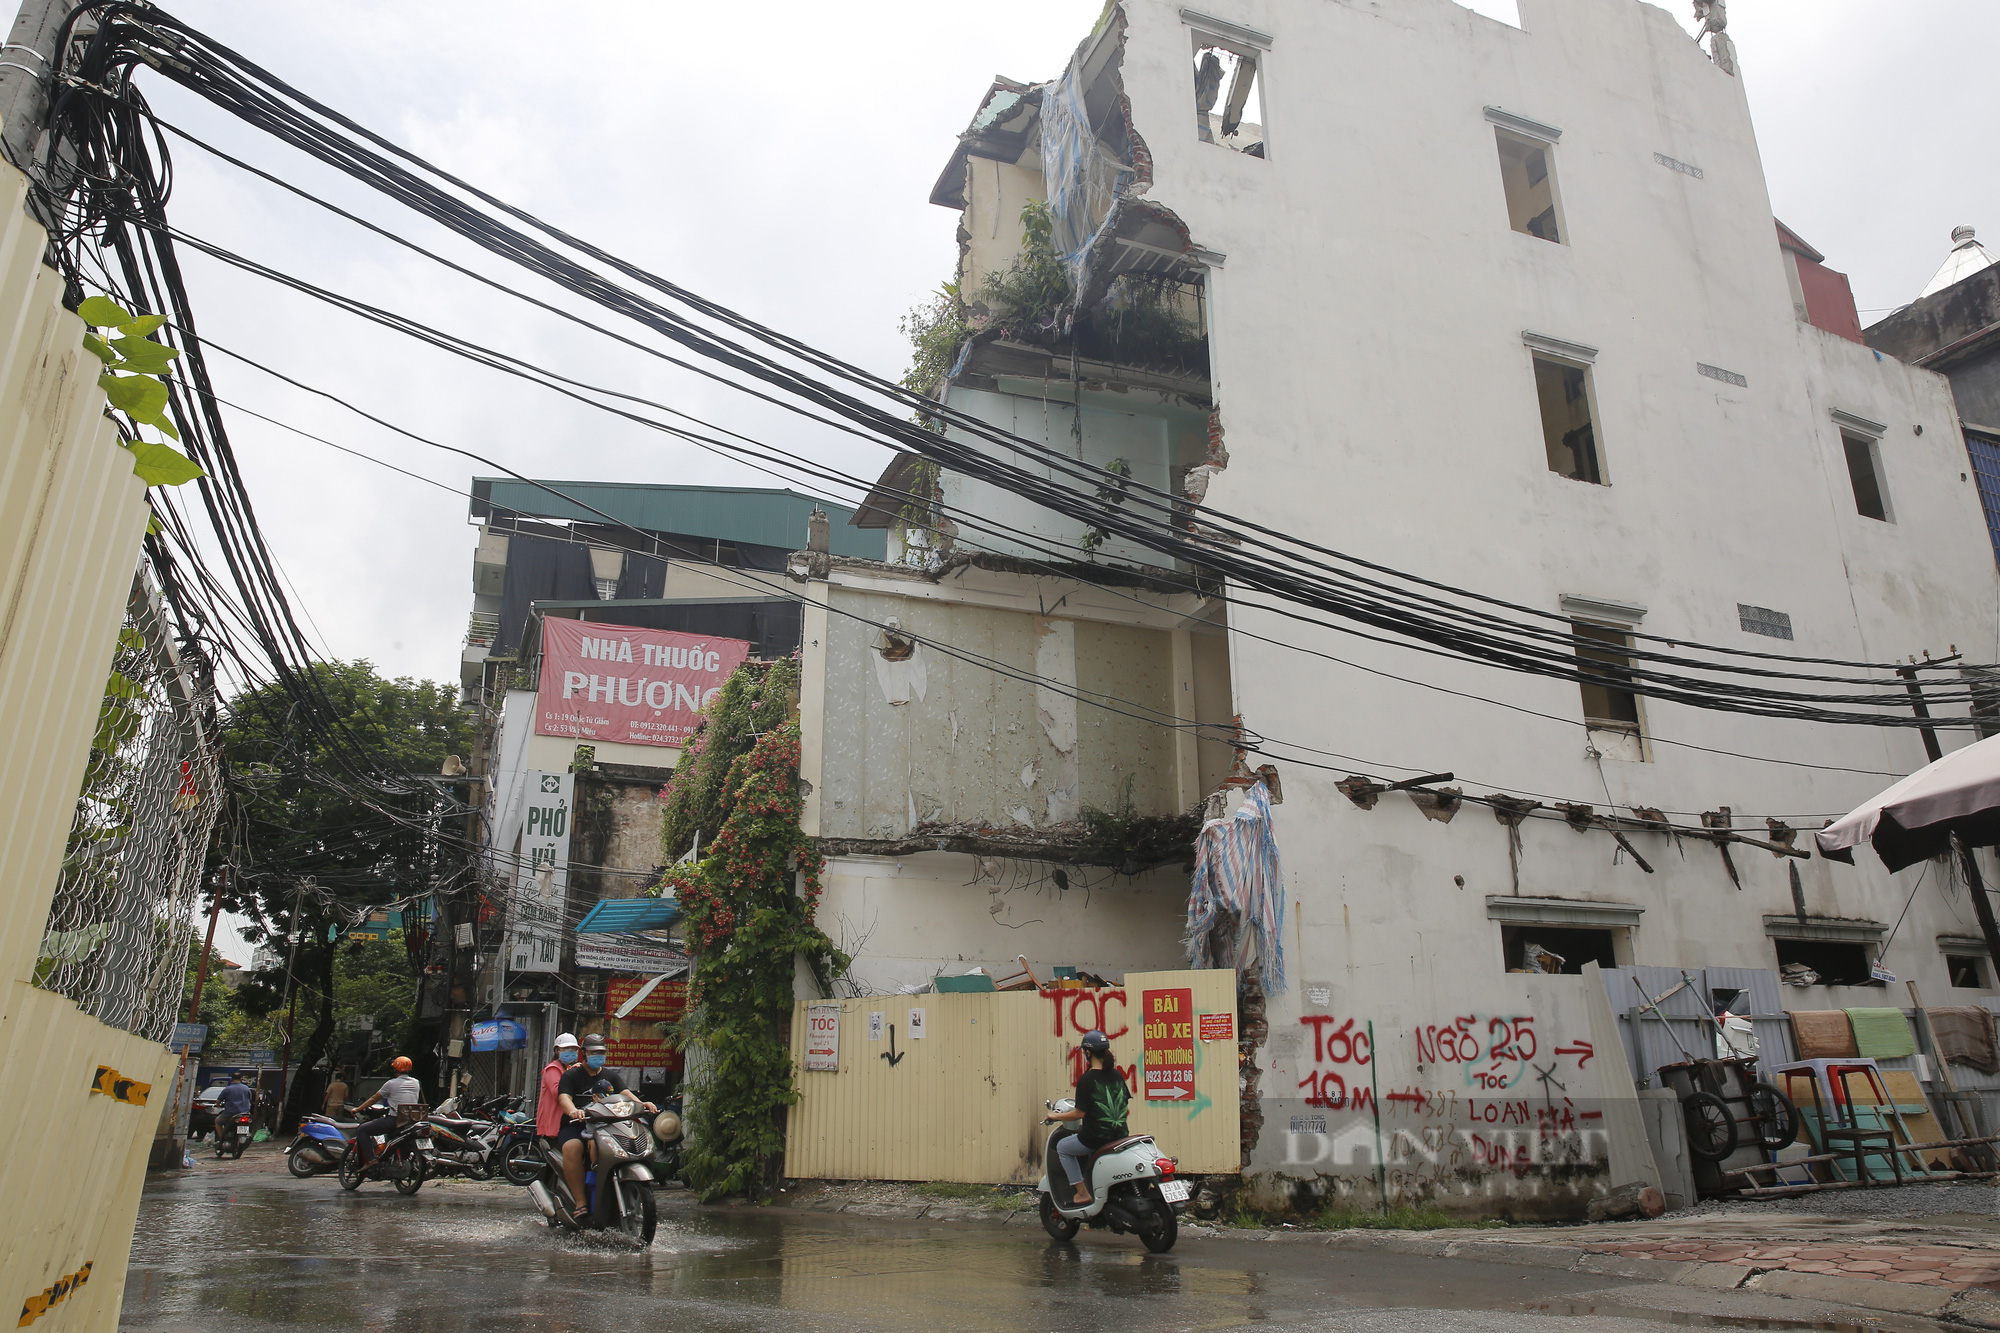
column 1101, row 1099
column 235, row 1101
column 549, row 1112
column 401, row 1090
column 579, row 1086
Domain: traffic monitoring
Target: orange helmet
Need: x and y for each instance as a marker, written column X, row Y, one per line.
column 401, row 1064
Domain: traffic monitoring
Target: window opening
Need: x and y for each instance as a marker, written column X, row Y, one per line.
column 1831, row 963
column 1228, row 97
column 1568, row 433
column 1966, row 970
column 1863, row 472
column 1763, row 620
column 1606, row 652
column 1985, row 452
column 1528, row 177
column 1563, row 949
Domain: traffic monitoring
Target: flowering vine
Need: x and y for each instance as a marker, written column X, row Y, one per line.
column 748, row 904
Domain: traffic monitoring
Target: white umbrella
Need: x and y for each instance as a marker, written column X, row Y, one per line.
column 1916, row 818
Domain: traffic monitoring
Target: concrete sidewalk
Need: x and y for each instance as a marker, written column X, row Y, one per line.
column 1939, row 1258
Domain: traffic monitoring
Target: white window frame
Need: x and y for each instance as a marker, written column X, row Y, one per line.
column 1242, row 41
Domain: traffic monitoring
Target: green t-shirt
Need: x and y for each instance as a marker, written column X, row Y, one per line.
column 1103, row 1096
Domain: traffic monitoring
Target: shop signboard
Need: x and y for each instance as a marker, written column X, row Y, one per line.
column 639, row 1040
column 499, row 1034
column 541, row 875
column 1167, row 1044
column 823, row 1038
column 623, row 953
column 631, row 686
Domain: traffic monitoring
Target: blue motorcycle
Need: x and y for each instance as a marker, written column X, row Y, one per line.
column 322, row 1145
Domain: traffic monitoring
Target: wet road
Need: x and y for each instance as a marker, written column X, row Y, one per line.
column 227, row 1251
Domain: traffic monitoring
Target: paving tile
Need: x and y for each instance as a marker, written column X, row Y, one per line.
column 1865, row 1266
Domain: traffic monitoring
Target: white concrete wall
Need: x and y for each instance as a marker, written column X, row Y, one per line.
column 1367, row 342
column 1377, row 394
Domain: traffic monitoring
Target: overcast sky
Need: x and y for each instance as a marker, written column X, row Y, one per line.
column 779, row 160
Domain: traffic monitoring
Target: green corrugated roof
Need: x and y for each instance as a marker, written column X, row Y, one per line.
column 764, row 516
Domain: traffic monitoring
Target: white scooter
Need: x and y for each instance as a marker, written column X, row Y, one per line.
column 1132, row 1188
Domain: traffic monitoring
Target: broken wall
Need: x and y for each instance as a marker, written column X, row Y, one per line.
column 928, row 738
column 905, row 919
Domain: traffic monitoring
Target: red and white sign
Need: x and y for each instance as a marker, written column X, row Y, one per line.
column 1218, row 1027
column 823, row 1038
column 627, row 685
column 1167, row 1045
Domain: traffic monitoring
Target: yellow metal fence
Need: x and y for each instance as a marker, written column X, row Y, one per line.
column 963, row 1101
column 71, row 518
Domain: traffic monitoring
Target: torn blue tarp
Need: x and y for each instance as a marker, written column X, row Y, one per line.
column 1238, row 884
column 1083, row 179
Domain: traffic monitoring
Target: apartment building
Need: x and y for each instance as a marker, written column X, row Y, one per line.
column 1501, row 306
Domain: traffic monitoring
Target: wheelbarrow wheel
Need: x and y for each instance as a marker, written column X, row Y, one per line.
column 1775, row 1119
column 1711, row 1129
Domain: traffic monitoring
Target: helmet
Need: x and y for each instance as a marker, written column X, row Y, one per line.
column 401, row 1064
column 567, row 1039
column 1096, row 1042
column 594, row 1041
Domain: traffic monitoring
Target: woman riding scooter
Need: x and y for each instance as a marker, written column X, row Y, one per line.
column 1101, row 1099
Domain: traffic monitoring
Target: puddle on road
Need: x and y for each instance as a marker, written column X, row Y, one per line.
column 250, row 1255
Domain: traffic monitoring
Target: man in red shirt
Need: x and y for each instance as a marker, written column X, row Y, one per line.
column 548, row 1113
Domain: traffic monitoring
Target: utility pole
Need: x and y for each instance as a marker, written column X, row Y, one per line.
column 208, row 948
column 292, row 1002
column 1982, row 906
column 27, row 69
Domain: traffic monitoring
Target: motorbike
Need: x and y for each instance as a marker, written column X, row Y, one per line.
column 519, row 1156
column 1132, row 1188
column 322, row 1145
column 619, row 1184
column 402, row 1159
column 463, row 1145
column 670, row 1132
column 232, row 1134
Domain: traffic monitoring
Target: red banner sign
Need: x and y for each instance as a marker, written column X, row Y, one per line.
column 626, row 685
column 636, row 1040
column 1218, row 1027
column 1167, row 1039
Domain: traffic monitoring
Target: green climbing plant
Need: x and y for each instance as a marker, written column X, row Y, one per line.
column 748, row 904
column 935, row 329
column 1034, row 287
column 1113, row 492
column 134, row 381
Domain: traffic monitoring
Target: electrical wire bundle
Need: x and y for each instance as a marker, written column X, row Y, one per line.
column 117, row 191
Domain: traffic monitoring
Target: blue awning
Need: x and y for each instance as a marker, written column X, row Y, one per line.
column 622, row 916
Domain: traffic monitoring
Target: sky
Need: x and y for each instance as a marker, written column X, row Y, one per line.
column 783, row 168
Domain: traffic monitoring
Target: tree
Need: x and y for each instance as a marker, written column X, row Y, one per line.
column 316, row 840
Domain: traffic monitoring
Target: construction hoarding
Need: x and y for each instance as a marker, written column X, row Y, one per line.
column 71, row 519
column 965, row 1103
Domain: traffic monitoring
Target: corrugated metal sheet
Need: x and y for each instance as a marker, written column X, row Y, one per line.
column 81, row 1154
column 965, row 1102
column 71, row 517
column 763, row 516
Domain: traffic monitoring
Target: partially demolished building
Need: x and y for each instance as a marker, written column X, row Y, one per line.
column 1503, row 306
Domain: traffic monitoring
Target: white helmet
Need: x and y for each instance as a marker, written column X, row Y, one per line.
column 566, row 1039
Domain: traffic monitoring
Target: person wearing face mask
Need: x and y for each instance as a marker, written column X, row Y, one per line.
column 581, row 1084
column 548, row 1112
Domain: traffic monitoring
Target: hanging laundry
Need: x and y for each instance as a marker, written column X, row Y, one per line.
column 1236, row 905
